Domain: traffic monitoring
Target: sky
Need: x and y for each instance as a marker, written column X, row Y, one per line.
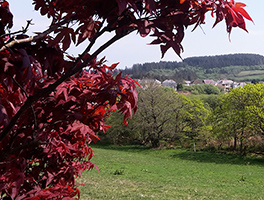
column 134, row 49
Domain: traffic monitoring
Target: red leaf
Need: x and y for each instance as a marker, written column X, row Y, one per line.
column 238, row 4
column 136, row 82
column 49, row 178
column 66, row 42
column 144, row 28
column 57, row 39
column 4, row 119
column 87, row 30
column 112, row 67
column 150, row 5
column 239, row 9
column 5, row 4
column 94, row 138
column 104, row 127
column 182, row 1
column 121, row 5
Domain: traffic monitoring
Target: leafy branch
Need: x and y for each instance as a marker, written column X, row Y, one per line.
column 45, row 91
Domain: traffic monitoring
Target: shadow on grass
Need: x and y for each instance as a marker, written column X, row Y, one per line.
column 125, row 148
column 199, row 156
column 218, row 158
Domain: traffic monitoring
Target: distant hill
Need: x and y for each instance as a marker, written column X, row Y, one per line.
column 240, row 67
column 220, row 61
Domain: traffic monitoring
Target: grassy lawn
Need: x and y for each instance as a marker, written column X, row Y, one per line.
column 131, row 172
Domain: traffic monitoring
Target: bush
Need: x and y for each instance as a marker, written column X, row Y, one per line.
column 201, row 89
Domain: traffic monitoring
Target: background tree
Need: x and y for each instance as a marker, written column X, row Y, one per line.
column 236, row 116
column 51, row 108
column 120, row 134
column 254, row 95
column 190, row 120
column 163, row 116
column 155, row 113
column 202, row 89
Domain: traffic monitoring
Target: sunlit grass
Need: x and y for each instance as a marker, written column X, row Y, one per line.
column 131, row 172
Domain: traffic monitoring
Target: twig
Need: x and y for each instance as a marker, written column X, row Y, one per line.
column 24, row 30
column 34, row 38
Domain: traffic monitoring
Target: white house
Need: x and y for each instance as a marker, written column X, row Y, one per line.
column 170, row 83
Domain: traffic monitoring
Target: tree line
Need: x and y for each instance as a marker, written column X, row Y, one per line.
column 197, row 67
column 219, row 61
column 232, row 121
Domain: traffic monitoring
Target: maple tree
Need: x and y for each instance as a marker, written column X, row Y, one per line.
column 53, row 104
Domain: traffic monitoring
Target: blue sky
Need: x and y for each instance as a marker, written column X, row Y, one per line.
column 135, row 49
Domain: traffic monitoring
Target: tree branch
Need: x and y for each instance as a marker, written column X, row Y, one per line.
column 45, row 91
column 32, row 109
column 24, row 30
column 34, row 38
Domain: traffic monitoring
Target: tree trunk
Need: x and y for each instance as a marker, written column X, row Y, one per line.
column 155, row 142
column 241, row 146
column 235, row 141
column 241, row 142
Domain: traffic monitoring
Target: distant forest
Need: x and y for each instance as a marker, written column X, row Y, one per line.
column 205, row 67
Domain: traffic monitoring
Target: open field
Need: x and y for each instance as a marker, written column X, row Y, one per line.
column 132, row 172
column 247, row 78
column 250, row 73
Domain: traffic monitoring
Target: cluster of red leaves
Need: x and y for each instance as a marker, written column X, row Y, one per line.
column 48, row 146
column 166, row 19
column 48, row 116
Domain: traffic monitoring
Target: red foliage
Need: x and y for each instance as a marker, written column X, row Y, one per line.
column 52, row 105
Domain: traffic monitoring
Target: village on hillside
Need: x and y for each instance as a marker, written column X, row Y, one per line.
column 223, row 84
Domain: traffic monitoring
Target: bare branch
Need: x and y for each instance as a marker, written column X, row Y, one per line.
column 15, row 41
column 24, row 30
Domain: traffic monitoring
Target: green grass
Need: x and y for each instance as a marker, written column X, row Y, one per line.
column 250, row 73
column 132, row 172
column 247, row 78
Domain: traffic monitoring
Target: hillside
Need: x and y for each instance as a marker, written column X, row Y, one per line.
column 239, row 67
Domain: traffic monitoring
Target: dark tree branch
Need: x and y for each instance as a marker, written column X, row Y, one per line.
column 34, row 38
column 32, row 109
column 24, row 30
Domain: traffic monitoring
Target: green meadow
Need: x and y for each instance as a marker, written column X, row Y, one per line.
column 134, row 172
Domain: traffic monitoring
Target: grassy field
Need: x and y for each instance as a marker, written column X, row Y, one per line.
column 251, row 73
column 246, row 78
column 132, row 172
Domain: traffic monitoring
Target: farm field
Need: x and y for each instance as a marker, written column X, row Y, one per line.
column 250, row 73
column 134, row 172
column 246, row 78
